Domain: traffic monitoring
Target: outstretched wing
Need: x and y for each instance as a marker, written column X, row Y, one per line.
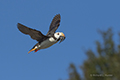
column 54, row 25
column 36, row 35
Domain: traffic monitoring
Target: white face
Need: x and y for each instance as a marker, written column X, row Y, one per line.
column 57, row 34
column 60, row 36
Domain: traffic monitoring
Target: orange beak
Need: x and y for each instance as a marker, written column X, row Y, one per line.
column 62, row 37
column 32, row 50
column 62, row 34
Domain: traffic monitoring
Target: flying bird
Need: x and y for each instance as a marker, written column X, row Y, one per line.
column 44, row 41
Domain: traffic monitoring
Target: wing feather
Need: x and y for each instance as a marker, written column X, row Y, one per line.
column 35, row 34
column 54, row 25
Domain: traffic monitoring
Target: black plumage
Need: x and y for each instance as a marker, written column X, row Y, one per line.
column 54, row 25
column 37, row 35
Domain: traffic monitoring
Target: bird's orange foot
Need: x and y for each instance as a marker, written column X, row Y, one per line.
column 34, row 49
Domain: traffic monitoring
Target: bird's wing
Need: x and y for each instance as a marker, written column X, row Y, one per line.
column 54, row 25
column 36, row 35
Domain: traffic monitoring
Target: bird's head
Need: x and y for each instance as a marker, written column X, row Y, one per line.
column 60, row 36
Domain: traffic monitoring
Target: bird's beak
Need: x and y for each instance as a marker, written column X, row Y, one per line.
column 32, row 50
column 62, row 37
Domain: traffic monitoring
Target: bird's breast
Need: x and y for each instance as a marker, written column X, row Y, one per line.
column 47, row 43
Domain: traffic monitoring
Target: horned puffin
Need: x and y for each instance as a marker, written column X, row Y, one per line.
column 44, row 41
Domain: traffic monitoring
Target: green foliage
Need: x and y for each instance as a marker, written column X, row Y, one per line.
column 103, row 64
column 73, row 74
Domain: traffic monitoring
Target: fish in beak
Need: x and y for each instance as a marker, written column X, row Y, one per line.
column 62, row 37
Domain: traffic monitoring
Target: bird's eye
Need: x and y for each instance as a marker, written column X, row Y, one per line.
column 57, row 33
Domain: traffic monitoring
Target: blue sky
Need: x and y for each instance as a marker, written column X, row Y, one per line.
column 80, row 20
